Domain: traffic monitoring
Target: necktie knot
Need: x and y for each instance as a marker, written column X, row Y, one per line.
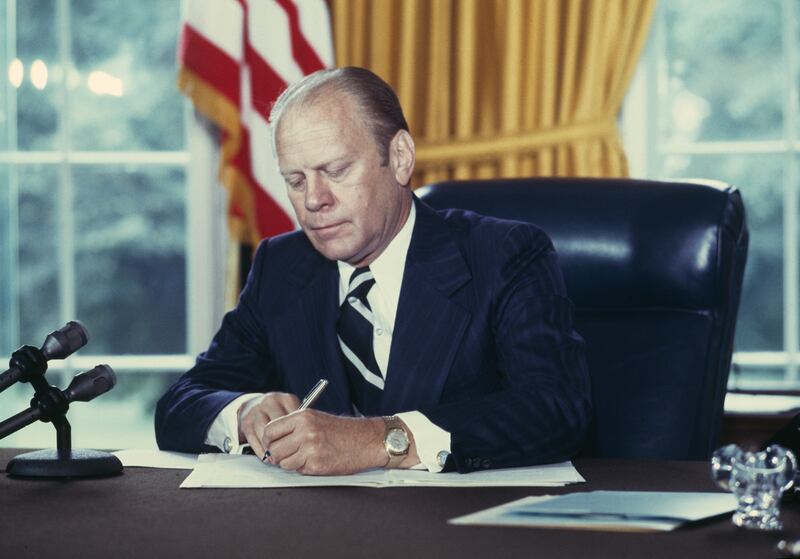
column 361, row 282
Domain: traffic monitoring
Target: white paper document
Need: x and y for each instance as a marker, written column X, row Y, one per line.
column 146, row 458
column 605, row 510
column 236, row 471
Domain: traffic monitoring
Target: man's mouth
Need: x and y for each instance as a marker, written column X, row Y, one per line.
column 327, row 230
column 326, row 227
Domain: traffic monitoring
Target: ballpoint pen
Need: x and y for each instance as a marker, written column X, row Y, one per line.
column 307, row 402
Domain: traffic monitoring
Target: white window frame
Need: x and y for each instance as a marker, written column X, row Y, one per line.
column 206, row 232
column 639, row 125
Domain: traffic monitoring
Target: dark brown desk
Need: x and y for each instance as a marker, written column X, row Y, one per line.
column 142, row 513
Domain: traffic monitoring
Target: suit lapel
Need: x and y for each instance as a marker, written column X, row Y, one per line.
column 429, row 325
column 312, row 324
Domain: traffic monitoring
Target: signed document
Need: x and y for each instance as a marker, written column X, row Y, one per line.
column 238, row 471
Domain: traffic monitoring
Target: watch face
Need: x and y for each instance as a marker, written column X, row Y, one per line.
column 396, row 441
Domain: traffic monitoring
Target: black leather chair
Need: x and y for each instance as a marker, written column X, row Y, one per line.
column 655, row 271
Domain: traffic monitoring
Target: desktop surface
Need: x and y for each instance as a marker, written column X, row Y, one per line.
column 143, row 513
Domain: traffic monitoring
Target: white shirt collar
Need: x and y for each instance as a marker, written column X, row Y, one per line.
column 388, row 267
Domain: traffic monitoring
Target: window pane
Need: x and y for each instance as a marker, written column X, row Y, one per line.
column 125, row 97
column 38, row 95
column 724, row 70
column 29, row 252
column 130, row 262
column 38, row 264
column 760, row 179
column 122, row 418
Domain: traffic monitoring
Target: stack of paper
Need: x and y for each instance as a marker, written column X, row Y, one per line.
column 225, row 470
column 606, row 510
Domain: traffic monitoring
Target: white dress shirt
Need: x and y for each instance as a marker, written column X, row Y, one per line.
column 433, row 443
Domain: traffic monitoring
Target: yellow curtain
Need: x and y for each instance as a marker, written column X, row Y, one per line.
column 502, row 88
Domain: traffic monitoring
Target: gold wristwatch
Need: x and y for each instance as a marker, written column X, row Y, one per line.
column 395, row 439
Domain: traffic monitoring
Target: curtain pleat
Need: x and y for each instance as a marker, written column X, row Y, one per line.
column 408, row 69
column 466, row 82
column 502, row 88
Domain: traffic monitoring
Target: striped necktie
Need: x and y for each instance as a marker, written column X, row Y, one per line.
column 354, row 327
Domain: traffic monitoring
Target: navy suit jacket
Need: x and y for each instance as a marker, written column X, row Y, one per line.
column 483, row 343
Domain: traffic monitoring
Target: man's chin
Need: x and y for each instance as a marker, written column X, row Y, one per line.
column 333, row 250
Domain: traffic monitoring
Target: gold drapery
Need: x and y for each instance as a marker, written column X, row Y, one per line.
column 502, row 88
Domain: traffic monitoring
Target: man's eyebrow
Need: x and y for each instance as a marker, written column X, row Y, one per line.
column 332, row 163
column 344, row 160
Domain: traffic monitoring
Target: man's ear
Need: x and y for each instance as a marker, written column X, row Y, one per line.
column 402, row 156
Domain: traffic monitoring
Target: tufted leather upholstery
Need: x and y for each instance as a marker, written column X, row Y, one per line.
column 655, row 272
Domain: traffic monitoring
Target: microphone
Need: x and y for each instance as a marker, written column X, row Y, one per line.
column 50, row 404
column 28, row 361
column 83, row 388
column 65, row 341
column 91, row 384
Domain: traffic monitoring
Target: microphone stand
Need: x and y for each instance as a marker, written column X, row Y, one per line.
column 49, row 404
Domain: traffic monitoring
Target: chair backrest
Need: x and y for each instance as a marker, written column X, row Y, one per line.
column 655, row 272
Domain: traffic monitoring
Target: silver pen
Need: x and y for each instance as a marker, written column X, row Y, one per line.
column 315, row 393
column 307, row 402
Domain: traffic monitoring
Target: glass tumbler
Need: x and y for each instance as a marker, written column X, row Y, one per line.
column 757, row 480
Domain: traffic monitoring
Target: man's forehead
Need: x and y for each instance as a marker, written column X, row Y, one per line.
column 307, row 131
column 311, row 118
column 307, row 137
column 318, row 133
column 330, row 103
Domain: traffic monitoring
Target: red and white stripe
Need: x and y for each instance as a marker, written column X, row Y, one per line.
column 249, row 51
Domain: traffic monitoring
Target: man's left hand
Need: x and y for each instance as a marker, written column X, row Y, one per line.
column 317, row 443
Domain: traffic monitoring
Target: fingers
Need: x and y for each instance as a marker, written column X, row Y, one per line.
column 277, row 436
column 251, row 425
column 249, row 416
column 316, row 443
column 284, row 449
column 291, row 402
column 294, row 463
column 285, row 425
column 257, row 413
column 277, row 404
column 255, row 443
column 291, row 438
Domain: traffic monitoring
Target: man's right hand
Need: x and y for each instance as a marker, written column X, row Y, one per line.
column 254, row 415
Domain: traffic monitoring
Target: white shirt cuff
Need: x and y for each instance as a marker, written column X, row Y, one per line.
column 433, row 442
column 224, row 431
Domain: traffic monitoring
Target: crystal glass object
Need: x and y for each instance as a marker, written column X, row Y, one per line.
column 757, row 480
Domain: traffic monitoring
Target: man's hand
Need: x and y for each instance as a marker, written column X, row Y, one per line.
column 255, row 414
column 317, row 443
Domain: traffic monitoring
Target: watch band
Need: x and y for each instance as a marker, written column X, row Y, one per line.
column 395, row 440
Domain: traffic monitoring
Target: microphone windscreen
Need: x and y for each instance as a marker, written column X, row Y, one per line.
column 87, row 386
column 65, row 341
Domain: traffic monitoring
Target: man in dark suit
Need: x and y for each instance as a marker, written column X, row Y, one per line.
column 447, row 337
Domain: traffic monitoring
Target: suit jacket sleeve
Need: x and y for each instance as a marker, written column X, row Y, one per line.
column 237, row 361
column 541, row 408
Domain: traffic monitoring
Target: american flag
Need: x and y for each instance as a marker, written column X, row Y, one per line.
column 235, row 57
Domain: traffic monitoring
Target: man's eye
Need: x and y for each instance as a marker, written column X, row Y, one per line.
column 295, row 184
column 336, row 173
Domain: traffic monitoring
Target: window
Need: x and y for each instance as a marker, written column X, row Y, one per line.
column 716, row 96
column 96, row 218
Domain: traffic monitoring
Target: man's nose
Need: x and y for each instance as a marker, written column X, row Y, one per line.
column 318, row 193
